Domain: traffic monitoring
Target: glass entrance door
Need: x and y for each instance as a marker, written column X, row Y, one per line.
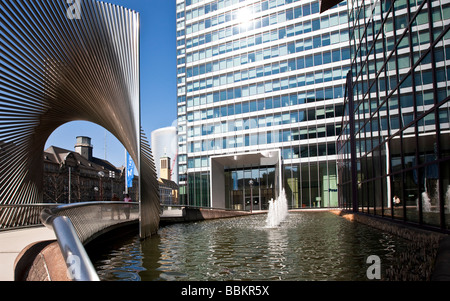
column 266, row 195
column 244, row 196
column 237, row 196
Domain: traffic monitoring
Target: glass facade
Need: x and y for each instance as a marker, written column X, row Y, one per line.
column 240, row 195
column 256, row 75
column 394, row 149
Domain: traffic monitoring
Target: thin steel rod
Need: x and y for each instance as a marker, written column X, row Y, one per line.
column 55, row 70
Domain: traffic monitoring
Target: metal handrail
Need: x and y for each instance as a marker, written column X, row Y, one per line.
column 18, row 216
column 62, row 207
column 79, row 265
column 75, row 224
column 30, row 205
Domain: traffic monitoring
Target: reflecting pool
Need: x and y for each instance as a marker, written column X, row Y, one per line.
column 306, row 246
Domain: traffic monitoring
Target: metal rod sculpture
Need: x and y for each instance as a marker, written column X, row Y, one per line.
column 63, row 61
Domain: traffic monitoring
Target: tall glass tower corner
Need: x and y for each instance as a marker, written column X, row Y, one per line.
column 395, row 144
column 260, row 101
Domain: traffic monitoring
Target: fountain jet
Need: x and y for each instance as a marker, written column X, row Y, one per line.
column 278, row 211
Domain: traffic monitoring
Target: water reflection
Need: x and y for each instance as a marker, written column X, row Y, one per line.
column 123, row 262
column 307, row 246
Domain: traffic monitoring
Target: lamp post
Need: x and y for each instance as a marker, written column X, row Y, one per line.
column 70, row 184
column 251, row 195
column 112, row 176
column 95, row 193
column 101, row 174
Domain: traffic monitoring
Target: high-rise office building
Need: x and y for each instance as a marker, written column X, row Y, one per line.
column 395, row 143
column 260, row 101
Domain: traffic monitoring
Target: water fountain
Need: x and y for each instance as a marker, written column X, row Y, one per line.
column 447, row 199
column 426, row 202
column 278, row 211
column 245, row 249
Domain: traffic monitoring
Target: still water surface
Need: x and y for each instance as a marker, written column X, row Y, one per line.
column 307, row 246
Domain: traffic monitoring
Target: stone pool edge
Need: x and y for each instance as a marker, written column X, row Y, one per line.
column 434, row 258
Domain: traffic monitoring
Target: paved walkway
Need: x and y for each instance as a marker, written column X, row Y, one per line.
column 12, row 242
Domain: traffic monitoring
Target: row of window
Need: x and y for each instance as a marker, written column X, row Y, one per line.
column 423, row 84
column 298, row 63
column 439, row 11
column 402, row 111
column 420, row 35
column 311, row 114
column 253, row 9
column 297, row 29
column 292, row 152
column 263, row 138
column 396, row 120
column 301, row 27
column 256, row 105
column 278, row 51
column 271, row 19
column 261, row 105
column 404, row 103
column 294, row 81
column 420, row 41
column 292, row 99
column 267, row 86
column 277, row 85
column 269, row 36
column 422, row 75
column 402, row 60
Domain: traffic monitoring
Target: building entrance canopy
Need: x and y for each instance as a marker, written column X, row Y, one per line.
column 231, row 174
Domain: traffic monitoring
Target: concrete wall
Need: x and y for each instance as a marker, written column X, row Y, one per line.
column 217, row 185
column 191, row 215
column 442, row 263
column 41, row 261
column 200, row 214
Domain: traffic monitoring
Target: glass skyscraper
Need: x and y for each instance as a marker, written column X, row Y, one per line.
column 261, row 88
column 395, row 143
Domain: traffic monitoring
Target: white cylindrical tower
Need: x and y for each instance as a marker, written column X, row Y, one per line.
column 165, row 144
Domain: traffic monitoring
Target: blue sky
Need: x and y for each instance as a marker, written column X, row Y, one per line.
column 158, row 81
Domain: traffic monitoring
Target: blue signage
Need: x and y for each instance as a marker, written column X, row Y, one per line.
column 130, row 171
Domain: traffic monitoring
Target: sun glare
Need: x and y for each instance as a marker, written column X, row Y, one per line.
column 244, row 16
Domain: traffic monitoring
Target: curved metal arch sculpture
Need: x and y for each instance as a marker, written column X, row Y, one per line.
column 55, row 69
